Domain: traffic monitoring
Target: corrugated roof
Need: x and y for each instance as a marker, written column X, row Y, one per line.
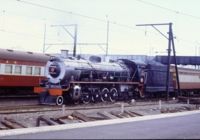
column 23, row 56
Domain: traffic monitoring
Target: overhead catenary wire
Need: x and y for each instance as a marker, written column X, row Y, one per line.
column 67, row 12
column 80, row 15
column 99, row 19
column 105, row 20
column 168, row 9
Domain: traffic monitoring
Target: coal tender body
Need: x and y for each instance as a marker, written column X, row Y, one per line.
column 155, row 80
column 80, row 80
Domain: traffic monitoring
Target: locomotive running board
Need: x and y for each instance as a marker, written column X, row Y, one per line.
column 127, row 83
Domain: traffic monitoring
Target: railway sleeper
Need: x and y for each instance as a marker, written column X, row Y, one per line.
column 10, row 125
column 82, row 116
column 57, row 120
column 68, row 121
column 135, row 113
column 67, row 117
column 3, row 128
column 125, row 114
column 107, row 115
column 117, row 114
column 130, row 113
column 177, row 109
column 46, row 120
column 15, row 122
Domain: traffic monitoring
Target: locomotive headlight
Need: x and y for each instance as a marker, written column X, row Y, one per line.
column 111, row 77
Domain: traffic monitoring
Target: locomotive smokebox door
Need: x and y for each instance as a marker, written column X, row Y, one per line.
column 54, row 70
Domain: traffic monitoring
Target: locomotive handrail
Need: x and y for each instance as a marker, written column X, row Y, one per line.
column 134, row 74
column 90, row 65
column 96, row 82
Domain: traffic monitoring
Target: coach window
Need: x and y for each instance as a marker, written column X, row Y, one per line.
column 8, row 69
column 1, row 69
column 18, row 69
column 29, row 70
column 37, row 71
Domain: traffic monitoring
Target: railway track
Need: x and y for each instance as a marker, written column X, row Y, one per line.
column 14, row 117
column 45, row 108
column 18, row 97
column 190, row 99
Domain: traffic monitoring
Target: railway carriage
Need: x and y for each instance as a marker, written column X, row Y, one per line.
column 189, row 80
column 20, row 71
column 155, row 80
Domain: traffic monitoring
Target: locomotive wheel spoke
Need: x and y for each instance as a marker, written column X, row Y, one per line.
column 141, row 94
column 59, row 100
column 113, row 95
column 96, row 96
column 105, row 95
column 76, row 102
column 86, row 98
column 76, row 94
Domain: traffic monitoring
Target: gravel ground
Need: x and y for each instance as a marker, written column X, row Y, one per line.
column 14, row 102
column 143, row 108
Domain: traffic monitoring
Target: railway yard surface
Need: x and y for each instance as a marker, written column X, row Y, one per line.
column 27, row 114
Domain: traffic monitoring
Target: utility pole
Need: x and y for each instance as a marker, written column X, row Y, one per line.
column 44, row 42
column 170, row 39
column 107, row 39
column 75, row 40
column 74, row 35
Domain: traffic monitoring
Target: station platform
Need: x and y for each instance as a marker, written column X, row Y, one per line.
column 181, row 125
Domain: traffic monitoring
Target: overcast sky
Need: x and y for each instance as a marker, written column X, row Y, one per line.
column 22, row 25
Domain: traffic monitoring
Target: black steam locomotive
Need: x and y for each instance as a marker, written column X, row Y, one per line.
column 81, row 80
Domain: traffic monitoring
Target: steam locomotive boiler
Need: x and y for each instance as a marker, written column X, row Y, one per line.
column 81, row 80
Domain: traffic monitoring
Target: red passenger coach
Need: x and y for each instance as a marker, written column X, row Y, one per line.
column 20, row 71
